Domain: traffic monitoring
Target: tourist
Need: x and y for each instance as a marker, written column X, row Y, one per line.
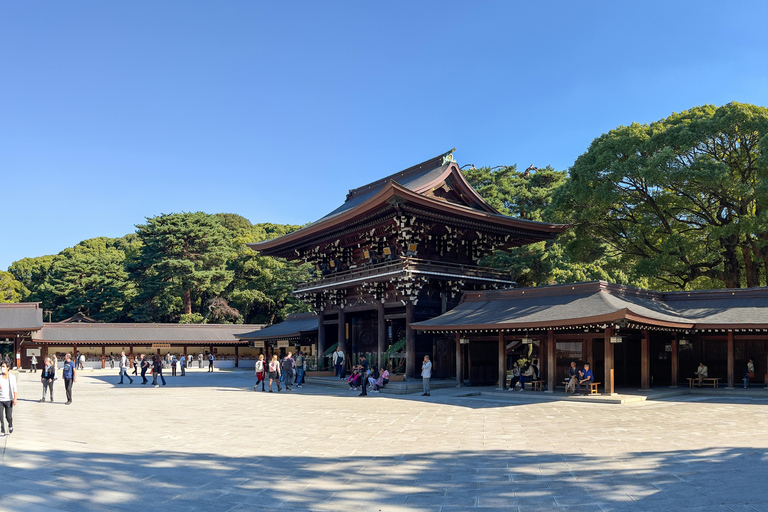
column 200, row 360
column 82, row 361
column 573, row 378
column 174, row 361
column 111, row 361
column 55, row 363
column 365, row 371
column 338, row 362
column 7, row 397
column 157, row 371
column 274, row 373
column 380, row 381
column 47, row 376
column 69, row 372
column 33, row 364
column 701, row 373
column 288, row 370
column 183, row 365
column 135, row 365
column 261, row 372
column 124, row 368
column 527, row 375
column 354, row 379
column 749, row 372
column 144, row 368
column 586, row 378
column 514, row 376
column 426, row 374
column 300, row 362
column 210, row 362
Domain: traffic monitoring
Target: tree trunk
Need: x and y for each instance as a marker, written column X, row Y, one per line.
column 188, row 302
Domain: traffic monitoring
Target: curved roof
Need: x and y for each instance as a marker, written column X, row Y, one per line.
column 410, row 186
column 294, row 326
column 138, row 334
column 21, row 316
column 598, row 302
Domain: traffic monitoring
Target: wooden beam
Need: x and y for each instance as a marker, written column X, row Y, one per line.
column 645, row 360
column 459, row 365
column 551, row 361
column 410, row 342
column 502, row 361
column 729, row 350
column 675, row 364
column 608, row 361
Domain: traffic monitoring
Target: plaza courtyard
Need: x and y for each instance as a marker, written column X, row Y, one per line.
column 209, row 442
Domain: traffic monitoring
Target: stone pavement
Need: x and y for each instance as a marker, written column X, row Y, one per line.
column 208, row 442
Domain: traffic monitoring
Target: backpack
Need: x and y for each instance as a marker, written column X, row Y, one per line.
column 259, row 366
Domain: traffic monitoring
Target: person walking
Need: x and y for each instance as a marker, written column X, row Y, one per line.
column 426, row 374
column 69, row 372
column 47, row 376
column 82, row 361
column 274, row 373
column 145, row 365
column 288, row 370
column 183, row 365
column 7, row 397
column 173, row 365
column 157, row 371
column 200, row 360
column 301, row 364
column 338, row 362
column 111, row 361
column 124, row 368
column 261, row 372
column 33, row 364
column 210, row 362
column 136, row 366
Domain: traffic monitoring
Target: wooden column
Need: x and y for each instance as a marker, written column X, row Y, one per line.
column 237, row 356
column 342, row 338
column 551, row 361
column 320, row 340
column 502, row 361
column 645, row 360
column 459, row 365
column 410, row 342
column 730, row 361
column 588, row 355
column 675, row 364
column 382, row 333
column 103, row 356
column 608, row 363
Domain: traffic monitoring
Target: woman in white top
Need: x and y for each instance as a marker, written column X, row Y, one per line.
column 7, row 398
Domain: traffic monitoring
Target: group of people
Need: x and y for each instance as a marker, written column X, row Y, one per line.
column 144, row 364
column 364, row 375
column 577, row 377
column 289, row 371
column 528, row 373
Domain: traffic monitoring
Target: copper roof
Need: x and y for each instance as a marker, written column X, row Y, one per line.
column 112, row 334
column 294, row 326
column 20, row 316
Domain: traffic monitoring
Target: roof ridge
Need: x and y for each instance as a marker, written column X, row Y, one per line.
column 427, row 164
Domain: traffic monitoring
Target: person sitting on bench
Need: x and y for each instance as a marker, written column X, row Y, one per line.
column 378, row 382
column 701, row 373
column 354, row 380
column 586, row 378
column 528, row 374
column 573, row 378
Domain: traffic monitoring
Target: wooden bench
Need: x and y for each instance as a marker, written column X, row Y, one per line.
column 537, row 385
column 592, row 387
column 706, row 381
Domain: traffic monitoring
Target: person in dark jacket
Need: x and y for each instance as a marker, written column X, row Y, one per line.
column 157, row 370
column 145, row 364
column 47, row 377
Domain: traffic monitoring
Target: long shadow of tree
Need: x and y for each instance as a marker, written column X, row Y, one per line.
column 710, row 480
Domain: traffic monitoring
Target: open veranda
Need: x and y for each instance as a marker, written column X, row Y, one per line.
column 207, row 441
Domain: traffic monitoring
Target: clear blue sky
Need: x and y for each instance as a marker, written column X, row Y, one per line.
column 117, row 111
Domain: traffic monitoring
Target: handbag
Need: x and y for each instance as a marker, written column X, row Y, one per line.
column 751, row 375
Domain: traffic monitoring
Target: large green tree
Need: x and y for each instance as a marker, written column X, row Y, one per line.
column 32, row 273
column 183, row 260
column 10, row 288
column 682, row 201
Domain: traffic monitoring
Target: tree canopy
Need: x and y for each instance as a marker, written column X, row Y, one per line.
column 683, row 201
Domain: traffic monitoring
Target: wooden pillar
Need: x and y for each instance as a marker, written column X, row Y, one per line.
column 675, row 364
column 410, row 342
column 103, row 356
column 731, row 380
column 551, row 361
column 459, row 365
column 381, row 341
column 588, row 354
column 237, row 356
column 645, row 360
column 341, row 339
column 502, row 361
column 608, row 363
column 320, row 340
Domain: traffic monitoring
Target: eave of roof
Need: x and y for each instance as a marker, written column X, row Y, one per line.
column 295, row 326
column 139, row 334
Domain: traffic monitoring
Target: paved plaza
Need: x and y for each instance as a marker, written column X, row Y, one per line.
column 209, row 442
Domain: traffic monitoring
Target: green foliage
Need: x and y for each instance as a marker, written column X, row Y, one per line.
column 32, row 274
column 182, row 262
column 191, row 318
column 10, row 288
column 681, row 202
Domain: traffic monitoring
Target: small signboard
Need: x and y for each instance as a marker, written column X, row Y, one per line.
column 283, row 344
column 258, row 344
column 33, row 352
column 161, row 345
